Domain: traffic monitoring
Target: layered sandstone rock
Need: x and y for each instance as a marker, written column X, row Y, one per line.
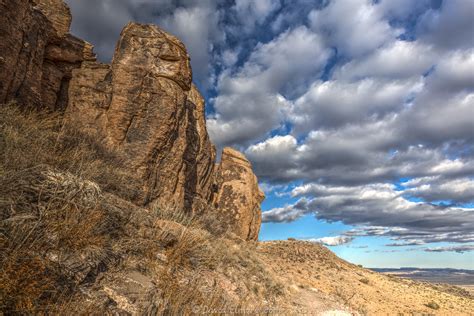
column 57, row 13
column 238, row 196
column 143, row 107
column 37, row 53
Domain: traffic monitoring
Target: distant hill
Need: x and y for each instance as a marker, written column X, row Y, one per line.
column 435, row 275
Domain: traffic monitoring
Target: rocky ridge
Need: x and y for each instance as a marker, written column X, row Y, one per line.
column 143, row 107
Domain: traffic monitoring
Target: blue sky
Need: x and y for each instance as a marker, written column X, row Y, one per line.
column 357, row 115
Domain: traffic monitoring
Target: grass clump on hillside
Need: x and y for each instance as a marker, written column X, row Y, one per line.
column 365, row 280
column 433, row 305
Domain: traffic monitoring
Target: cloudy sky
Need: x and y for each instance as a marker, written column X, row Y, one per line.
column 358, row 115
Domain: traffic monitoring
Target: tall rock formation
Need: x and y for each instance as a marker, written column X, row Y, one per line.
column 238, row 196
column 143, row 107
column 37, row 53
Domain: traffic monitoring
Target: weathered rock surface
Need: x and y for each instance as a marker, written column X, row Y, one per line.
column 37, row 53
column 57, row 13
column 143, row 106
column 238, row 196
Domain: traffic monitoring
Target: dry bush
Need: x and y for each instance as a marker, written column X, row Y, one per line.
column 45, row 217
column 195, row 256
column 25, row 283
column 188, row 294
column 186, row 290
column 191, row 250
column 209, row 221
column 365, row 280
column 240, row 259
column 344, row 295
column 185, row 243
column 175, row 215
column 205, row 220
column 433, row 305
column 185, row 277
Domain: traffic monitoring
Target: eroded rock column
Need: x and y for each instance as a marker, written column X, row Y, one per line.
column 238, row 196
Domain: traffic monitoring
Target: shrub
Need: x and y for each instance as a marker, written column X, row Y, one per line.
column 433, row 305
column 44, row 215
column 365, row 281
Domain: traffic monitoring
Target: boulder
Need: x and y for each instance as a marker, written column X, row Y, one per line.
column 238, row 196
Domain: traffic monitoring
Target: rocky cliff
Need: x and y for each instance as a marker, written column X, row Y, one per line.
column 37, row 53
column 143, row 107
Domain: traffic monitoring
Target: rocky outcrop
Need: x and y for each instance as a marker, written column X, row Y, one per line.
column 57, row 13
column 238, row 196
column 37, row 53
column 143, row 107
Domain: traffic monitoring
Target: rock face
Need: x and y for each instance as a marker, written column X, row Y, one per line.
column 238, row 196
column 37, row 53
column 143, row 107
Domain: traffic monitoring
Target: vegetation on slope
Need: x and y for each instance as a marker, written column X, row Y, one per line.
column 72, row 243
column 46, row 208
column 66, row 227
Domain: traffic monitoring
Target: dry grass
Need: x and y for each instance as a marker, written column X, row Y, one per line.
column 188, row 293
column 198, row 264
column 45, row 216
column 433, row 305
column 32, row 139
column 55, row 209
column 365, row 280
column 46, row 208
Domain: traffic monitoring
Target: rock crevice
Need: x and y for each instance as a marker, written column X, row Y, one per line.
column 37, row 53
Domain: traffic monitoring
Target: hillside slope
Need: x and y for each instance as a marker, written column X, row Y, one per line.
column 72, row 244
column 313, row 268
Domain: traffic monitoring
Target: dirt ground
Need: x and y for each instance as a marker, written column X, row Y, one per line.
column 322, row 281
